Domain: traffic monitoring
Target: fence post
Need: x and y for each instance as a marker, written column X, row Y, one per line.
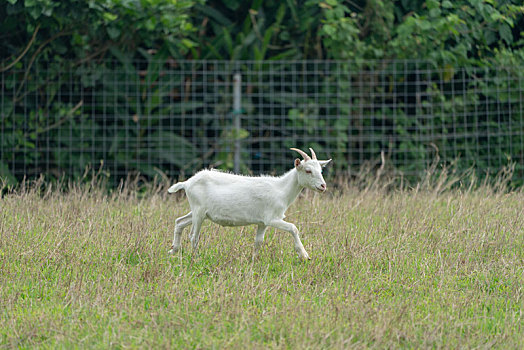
column 237, row 111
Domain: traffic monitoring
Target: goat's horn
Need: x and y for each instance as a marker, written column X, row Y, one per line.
column 313, row 155
column 302, row 153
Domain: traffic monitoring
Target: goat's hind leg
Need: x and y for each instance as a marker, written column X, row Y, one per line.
column 259, row 239
column 195, row 229
column 180, row 224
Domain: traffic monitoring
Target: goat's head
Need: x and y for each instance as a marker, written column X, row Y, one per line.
column 310, row 171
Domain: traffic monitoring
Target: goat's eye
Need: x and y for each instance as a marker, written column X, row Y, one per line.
column 308, row 171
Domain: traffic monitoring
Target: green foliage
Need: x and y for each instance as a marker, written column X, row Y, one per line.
column 256, row 30
column 444, row 31
column 83, row 30
column 48, row 38
column 139, row 107
column 42, row 38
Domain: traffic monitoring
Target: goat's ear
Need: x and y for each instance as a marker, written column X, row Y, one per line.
column 297, row 163
column 323, row 163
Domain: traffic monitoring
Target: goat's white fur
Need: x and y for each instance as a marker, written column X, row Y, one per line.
column 235, row 200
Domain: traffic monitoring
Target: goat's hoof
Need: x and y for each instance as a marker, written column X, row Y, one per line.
column 304, row 255
column 173, row 250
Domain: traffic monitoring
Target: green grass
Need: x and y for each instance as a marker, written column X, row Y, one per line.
column 410, row 269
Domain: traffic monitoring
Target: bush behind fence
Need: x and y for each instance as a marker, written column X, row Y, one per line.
column 176, row 117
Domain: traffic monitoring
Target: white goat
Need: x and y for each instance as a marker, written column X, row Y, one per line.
column 235, row 200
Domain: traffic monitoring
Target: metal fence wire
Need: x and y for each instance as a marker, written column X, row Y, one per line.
column 177, row 117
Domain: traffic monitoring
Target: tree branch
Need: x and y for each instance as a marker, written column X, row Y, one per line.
column 40, row 48
column 9, row 66
column 68, row 115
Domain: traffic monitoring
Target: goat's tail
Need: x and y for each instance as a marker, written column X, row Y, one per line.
column 176, row 187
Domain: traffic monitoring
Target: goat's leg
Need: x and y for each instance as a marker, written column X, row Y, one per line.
column 291, row 228
column 180, row 224
column 259, row 239
column 195, row 230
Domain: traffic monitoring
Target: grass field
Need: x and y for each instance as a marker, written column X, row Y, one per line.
column 410, row 269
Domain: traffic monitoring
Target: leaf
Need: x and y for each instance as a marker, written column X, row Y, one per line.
column 449, row 72
column 280, row 14
column 214, row 14
column 258, row 54
column 228, row 40
column 266, row 40
column 183, row 107
column 171, row 148
column 432, row 4
column 342, row 124
column 109, row 17
column 490, row 37
column 239, row 134
column 329, row 29
column 6, row 176
column 434, row 12
column 151, row 23
column 188, row 43
column 113, row 32
column 447, row 4
column 232, row 4
column 505, row 33
column 124, row 59
column 288, row 54
column 35, row 12
column 425, row 25
column 495, row 16
column 292, row 6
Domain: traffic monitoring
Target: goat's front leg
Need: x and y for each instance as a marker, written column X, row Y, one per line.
column 180, row 224
column 291, row 228
column 259, row 239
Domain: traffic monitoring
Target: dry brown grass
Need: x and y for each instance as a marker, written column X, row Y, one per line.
column 391, row 268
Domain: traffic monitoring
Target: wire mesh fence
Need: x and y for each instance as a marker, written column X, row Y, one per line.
column 177, row 117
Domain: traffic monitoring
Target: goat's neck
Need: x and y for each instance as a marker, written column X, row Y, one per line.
column 290, row 186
